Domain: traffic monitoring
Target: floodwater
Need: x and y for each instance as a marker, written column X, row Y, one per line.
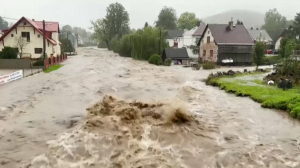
column 42, row 120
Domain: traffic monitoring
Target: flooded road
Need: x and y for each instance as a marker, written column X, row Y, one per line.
column 235, row 132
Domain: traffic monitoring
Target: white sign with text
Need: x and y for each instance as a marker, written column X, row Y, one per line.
column 11, row 77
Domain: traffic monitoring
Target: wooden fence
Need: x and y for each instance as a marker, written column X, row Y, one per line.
column 15, row 64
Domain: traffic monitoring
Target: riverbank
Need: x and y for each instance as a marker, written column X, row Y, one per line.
column 253, row 86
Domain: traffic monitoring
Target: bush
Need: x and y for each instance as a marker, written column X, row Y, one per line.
column 155, row 59
column 271, row 60
column 168, row 62
column 8, row 53
column 209, row 65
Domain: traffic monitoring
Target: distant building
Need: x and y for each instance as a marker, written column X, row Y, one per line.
column 260, row 35
column 191, row 37
column 279, row 38
column 32, row 31
column 175, row 38
column 226, row 41
column 179, row 56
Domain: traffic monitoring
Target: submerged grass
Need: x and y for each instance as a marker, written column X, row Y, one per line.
column 53, row 68
column 268, row 96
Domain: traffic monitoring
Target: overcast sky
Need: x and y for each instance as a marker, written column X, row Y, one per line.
column 81, row 12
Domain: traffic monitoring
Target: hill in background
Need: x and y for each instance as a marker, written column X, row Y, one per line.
column 249, row 18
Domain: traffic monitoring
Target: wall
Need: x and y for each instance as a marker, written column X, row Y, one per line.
column 277, row 44
column 35, row 41
column 208, row 46
column 57, row 50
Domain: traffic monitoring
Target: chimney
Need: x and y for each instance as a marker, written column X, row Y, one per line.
column 257, row 28
column 230, row 25
column 198, row 23
column 251, row 28
column 32, row 19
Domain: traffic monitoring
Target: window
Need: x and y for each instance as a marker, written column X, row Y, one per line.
column 211, row 53
column 38, row 50
column 39, row 36
column 12, row 35
column 26, row 35
column 25, row 23
column 204, row 52
column 208, row 32
column 208, row 39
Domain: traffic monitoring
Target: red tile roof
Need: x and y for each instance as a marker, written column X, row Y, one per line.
column 36, row 25
column 50, row 26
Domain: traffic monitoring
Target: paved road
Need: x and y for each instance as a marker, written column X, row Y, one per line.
column 35, row 109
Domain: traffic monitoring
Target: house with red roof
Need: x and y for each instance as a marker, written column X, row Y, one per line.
column 32, row 32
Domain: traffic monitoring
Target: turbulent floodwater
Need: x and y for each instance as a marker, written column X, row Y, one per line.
column 221, row 130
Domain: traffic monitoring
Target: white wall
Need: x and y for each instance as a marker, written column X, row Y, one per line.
column 208, row 46
column 277, row 44
column 35, row 41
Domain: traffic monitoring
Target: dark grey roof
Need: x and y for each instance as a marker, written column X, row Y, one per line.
column 199, row 31
column 223, row 35
column 176, row 53
column 174, row 33
column 255, row 34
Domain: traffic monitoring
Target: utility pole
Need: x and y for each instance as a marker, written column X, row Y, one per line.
column 159, row 40
column 44, row 40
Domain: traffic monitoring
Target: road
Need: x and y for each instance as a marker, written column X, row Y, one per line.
column 38, row 108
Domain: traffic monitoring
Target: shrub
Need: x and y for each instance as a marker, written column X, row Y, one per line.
column 271, row 60
column 168, row 62
column 155, row 59
column 8, row 53
column 209, row 65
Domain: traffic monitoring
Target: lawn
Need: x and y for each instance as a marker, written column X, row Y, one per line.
column 53, row 68
column 268, row 96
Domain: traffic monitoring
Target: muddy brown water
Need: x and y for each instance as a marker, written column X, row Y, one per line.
column 236, row 131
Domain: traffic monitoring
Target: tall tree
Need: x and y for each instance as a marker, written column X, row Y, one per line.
column 167, row 19
column 296, row 24
column 3, row 24
column 67, row 28
column 274, row 23
column 115, row 23
column 188, row 20
column 146, row 25
column 259, row 52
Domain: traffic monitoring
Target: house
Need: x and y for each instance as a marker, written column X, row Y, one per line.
column 226, row 41
column 191, row 37
column 260, row 35
column 278, row 39
column 174, row 38
column 32, row 32
column 179, row 56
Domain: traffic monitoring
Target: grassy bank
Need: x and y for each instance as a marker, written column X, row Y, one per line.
column 268, row 96
column 53, row 68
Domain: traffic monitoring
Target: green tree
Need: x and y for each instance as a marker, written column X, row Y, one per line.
column 67, row 28
column 116, row 22
column 274, row 23
column 188, row 20
column 296, row 24
column 3, row 24
column 146, row 24
column 167, row 19
column 8, row 53
column 259, row 52
column 282, row 47
column 290, row 46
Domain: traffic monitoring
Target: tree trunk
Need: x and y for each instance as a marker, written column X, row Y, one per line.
column 107, row 43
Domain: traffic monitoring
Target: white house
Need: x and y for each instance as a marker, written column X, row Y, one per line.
column 191, row 37
column 278, row 39
column 32, row 32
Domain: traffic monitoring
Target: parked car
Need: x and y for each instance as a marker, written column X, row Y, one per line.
column 269, row 51
column 275, row 51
